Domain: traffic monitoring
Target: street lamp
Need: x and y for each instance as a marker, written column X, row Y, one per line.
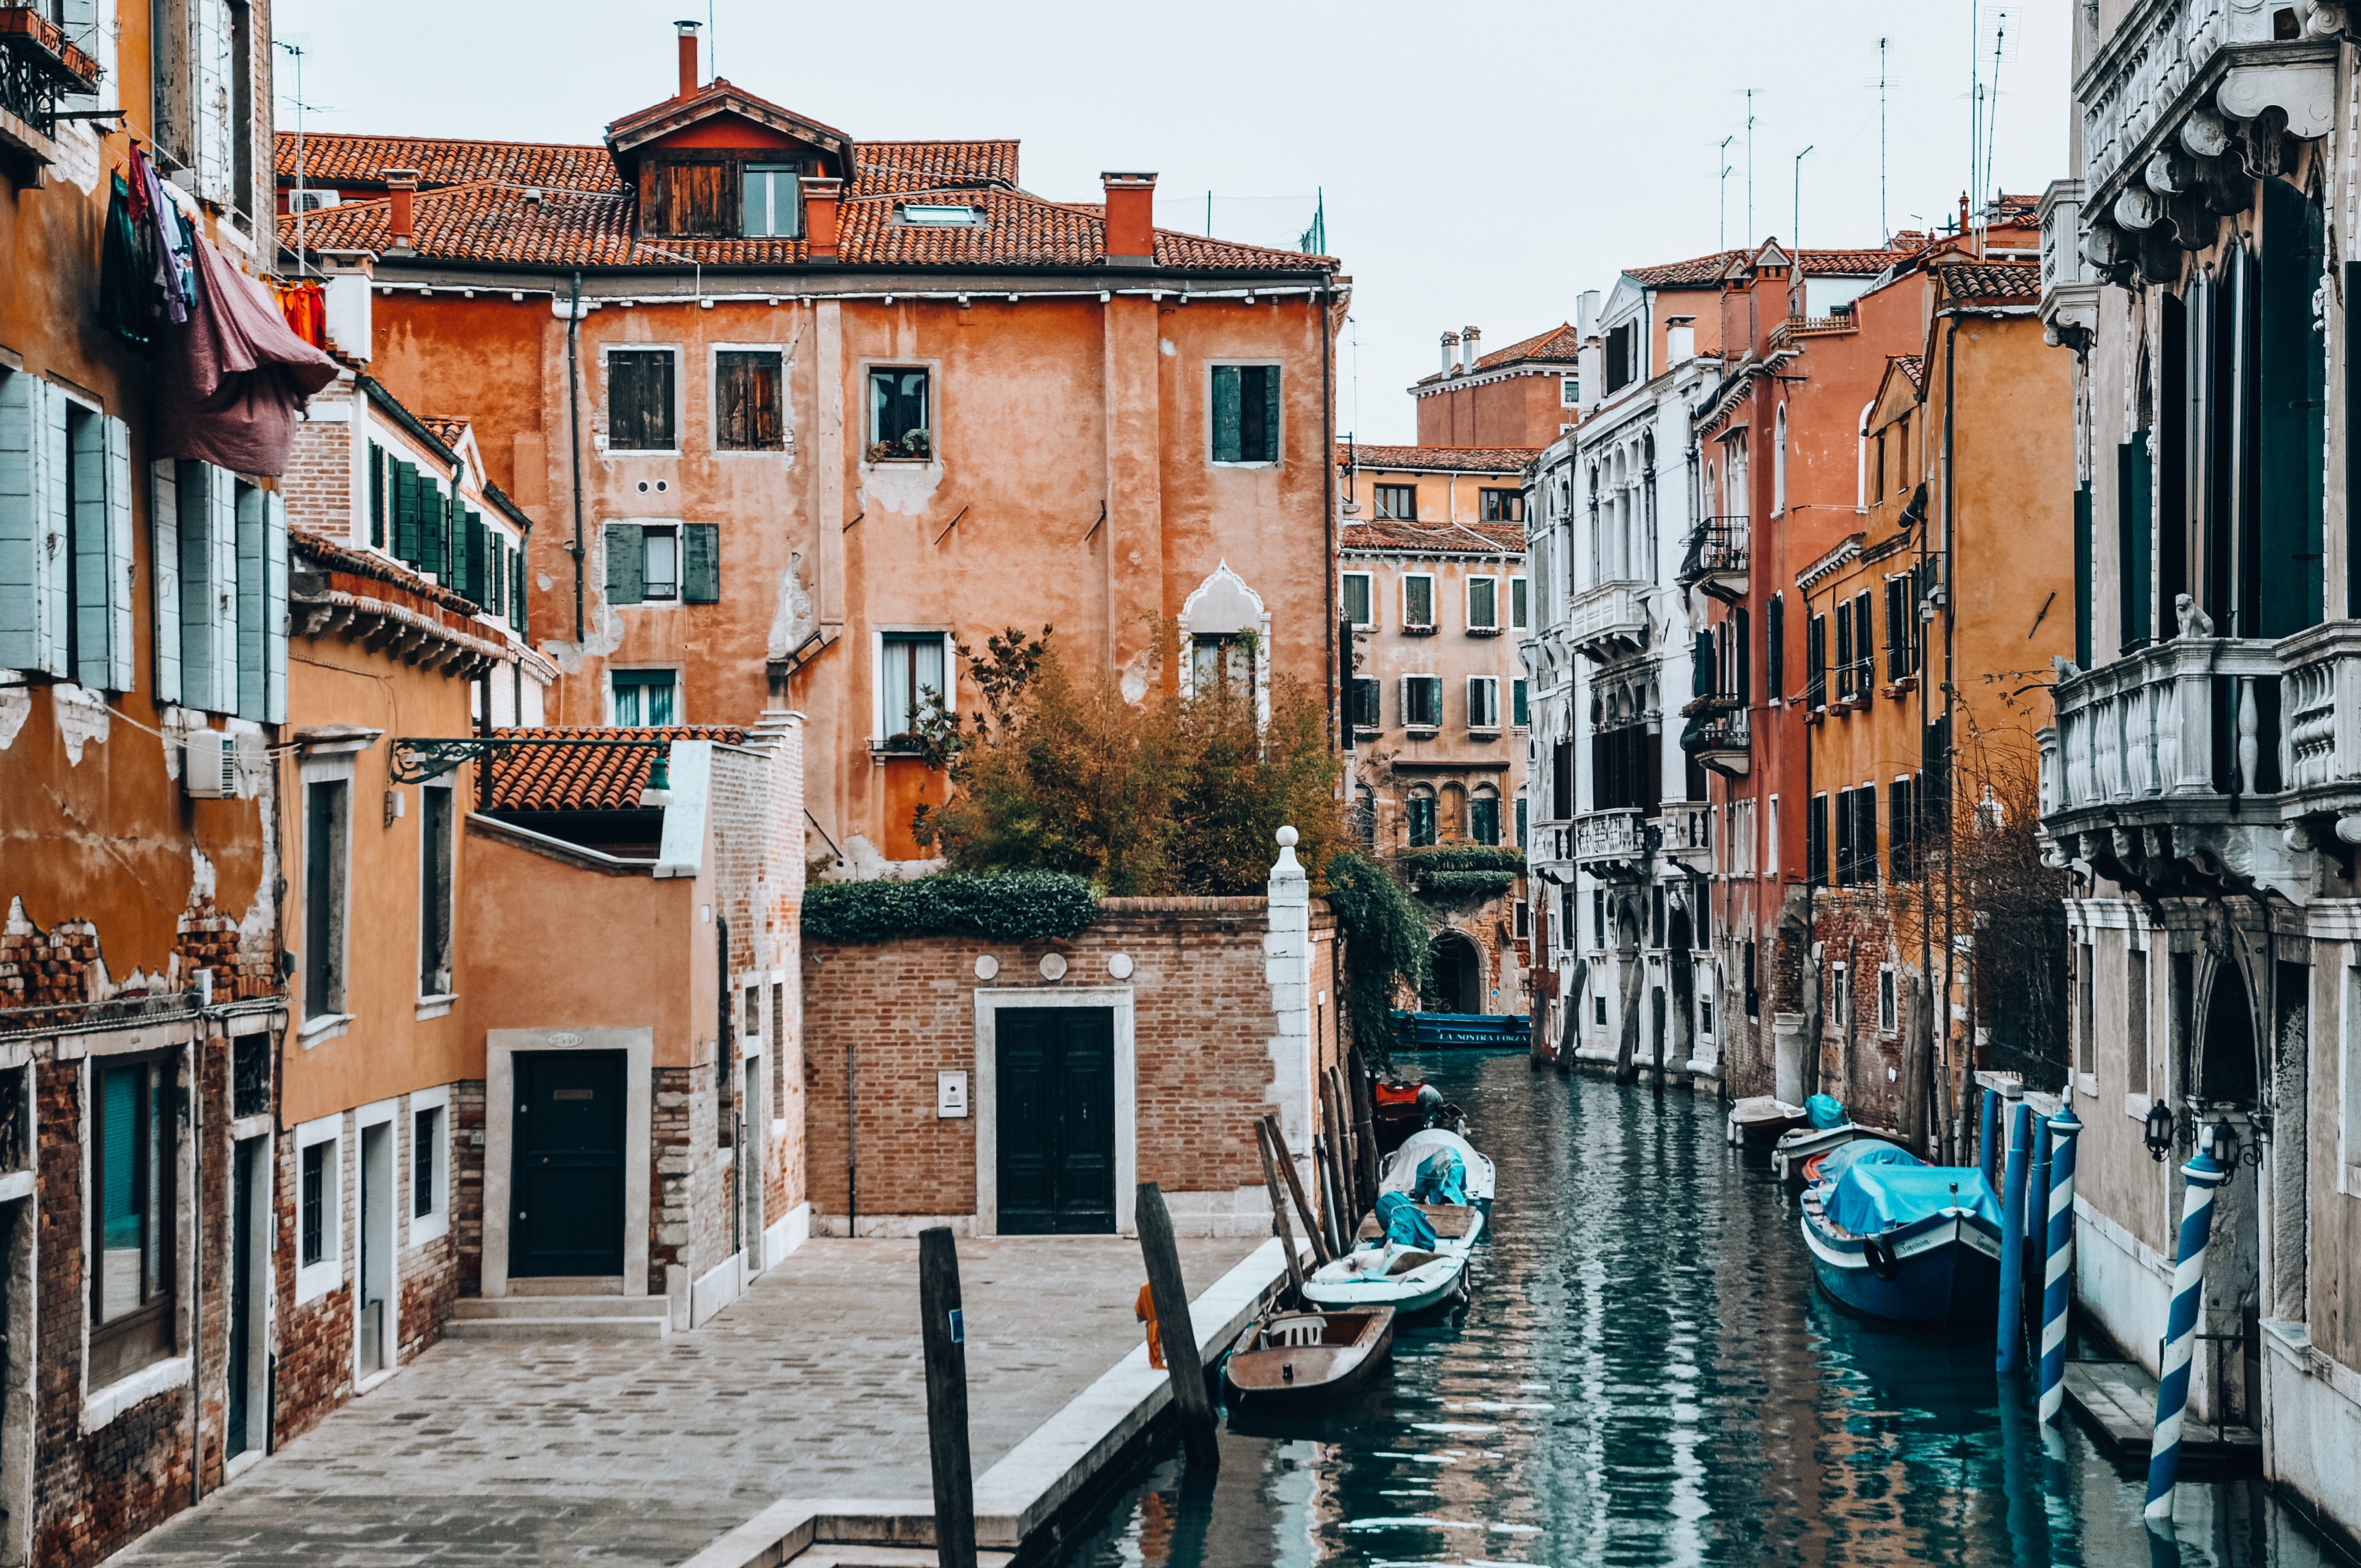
column 2159, row 1131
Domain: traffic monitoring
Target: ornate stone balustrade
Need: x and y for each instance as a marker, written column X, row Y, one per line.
column 1608, row 620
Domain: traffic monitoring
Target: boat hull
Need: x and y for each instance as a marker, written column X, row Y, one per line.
column 1789, row 1154
column 1429, row 1286
column 1324, row 1373
column 1942, row 1271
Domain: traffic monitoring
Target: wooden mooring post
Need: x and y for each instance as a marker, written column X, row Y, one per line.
column 1278, row 1209
column 1320, row 1253
column 947, row 1439
column 1176, row 1331
column 1364, row 1125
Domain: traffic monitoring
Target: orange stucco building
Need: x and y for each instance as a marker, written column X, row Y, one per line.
column 1527, row 394
column 796, row 414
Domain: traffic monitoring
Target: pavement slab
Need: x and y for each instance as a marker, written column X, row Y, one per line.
column 642, row 1452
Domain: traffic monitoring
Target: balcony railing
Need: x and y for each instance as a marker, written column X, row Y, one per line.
column 2321, row 701
column 37, row 65
column 1684, row 830
column 1721, row 741
column 1716, row 558
column 1609, row 621
column 1795, row 328
column 1604, row 836
column 2179, row 723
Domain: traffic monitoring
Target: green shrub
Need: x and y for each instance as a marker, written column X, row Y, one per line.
column 1015, row 906
column 1464, row 887
column 1385, row 935
column 1464, row 858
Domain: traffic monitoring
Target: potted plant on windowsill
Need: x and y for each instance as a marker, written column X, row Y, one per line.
column 914, row 446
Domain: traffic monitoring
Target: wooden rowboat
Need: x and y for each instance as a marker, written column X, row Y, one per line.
column 1762, row 1120
column 1303, row 1357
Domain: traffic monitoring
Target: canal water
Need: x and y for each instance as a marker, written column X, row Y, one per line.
column 1646, row 1374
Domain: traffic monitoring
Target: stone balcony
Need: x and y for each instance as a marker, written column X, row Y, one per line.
column 1720, row 740
column 1715, row 564
column 1684, row 831
column 2321, row 704
column 1609, row 621
column 1612, row 844
column 2164, row 772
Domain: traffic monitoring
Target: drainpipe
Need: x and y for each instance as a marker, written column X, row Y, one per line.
column 573, row 440
column 1328, row 513
column 1951, row 534
column 197, row 1270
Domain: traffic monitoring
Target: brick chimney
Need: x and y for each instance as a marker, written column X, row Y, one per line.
column 820, row 197
column 689, row 73
column 1130, row 217
column 401, row 185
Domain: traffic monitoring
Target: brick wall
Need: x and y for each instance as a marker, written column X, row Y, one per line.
column 318, row 484
column 903, row 1012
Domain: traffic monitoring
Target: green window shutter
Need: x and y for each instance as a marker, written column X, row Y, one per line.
column 627, row 562
column 2294, row 373
column 1519, row 710
column 700, row 549
column 2082, row 577
column 208, row 588
column 2134, row 539
column 377, row 495
column 164, row 556
column 516, row 591
column 1226, row 414
column 92, row 532
column 122, row 563
column 495, row 571
column 467, row 557
column 253, row 595
column 56, row 528
column 405, row 514
column 19, row 522
column 434, row 531
column 1270, row 450
column 274, row 610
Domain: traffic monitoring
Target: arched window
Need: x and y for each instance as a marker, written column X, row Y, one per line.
column 1779, row 461
column 1483, row 815
column 1418, row 815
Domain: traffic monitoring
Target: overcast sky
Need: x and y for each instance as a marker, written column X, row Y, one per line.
column 1481, row 162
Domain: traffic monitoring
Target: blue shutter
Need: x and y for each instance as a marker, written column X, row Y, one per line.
column 164, row 556
column 1226, row 414
column 627, row 562
column 1269, row 453
column 274, row 610
column 122, row 562
column 208, row 588
column 252, row 580
column 90, row 532
column 49, row 480
column 700, row 544
column 21, row 530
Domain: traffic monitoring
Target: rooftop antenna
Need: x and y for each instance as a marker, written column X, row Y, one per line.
column 1750, row 165
column 1724, row 193
column 712, row 45
column 1991, row 118
column 1975, row 97
column 1796, row 229
column 1884, row 233
column 296, row 49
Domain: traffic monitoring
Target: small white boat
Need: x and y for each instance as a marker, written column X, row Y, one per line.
column 1388, row 1274
column 1400, row 1172
column 1761, row 1119
column 1789, row 1154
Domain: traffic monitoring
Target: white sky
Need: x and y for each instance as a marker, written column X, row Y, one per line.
column 1481, row 162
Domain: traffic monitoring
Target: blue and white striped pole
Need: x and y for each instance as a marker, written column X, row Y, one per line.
column 2181, row 1330
column 2011, row 1348
column 2058, row 1266
column 1988, row 1141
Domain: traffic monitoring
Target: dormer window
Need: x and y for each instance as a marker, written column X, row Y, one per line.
column 772, row 208
column 941, row 217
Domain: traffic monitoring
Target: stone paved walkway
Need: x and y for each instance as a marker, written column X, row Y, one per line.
column 642, row 1453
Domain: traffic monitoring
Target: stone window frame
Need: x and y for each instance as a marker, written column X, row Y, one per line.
column 331, row 767
column 786, row 451
column 605, row 404
column 389, row 1114
column 983, row 1097
column 313, row 1280
column 102, row 1405
column 436, row 1223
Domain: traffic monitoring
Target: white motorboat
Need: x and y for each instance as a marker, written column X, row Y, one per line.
column 1789, row 1154
column 1400, row 1172
column 1388, row 1274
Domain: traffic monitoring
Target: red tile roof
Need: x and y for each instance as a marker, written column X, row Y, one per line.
column 1701, row 271
column 1914, row 367
column 718, row 97
column 340, row 557
column 1438, row 459
column 1558, row 345
column 887, row 168
column 449, row 432
column 585, row 778
column 490, row 221
column 2012, row 281
column 339, row 159
column 1433, row 538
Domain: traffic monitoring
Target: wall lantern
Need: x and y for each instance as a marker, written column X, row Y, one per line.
column 2159, row 1131
column 2222, row 1144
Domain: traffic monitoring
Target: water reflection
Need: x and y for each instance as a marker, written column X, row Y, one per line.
column 1646, row 1375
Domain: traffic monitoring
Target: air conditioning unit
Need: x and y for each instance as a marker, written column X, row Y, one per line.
column 209, row 765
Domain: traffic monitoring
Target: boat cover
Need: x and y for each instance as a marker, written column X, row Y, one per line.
column 1863, row 1151
column 1873, row 1197
column 1403, row 1223
column 1826, row 1111
column 1442, row 1179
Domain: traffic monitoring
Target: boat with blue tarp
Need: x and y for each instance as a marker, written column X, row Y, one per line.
column 1894, row 1237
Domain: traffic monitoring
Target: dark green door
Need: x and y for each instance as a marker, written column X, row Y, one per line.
column 566, row 1195
column 244, row 1156
column 1055, row 1093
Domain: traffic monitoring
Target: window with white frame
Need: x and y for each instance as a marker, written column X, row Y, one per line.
column 1482, row 605
column 134, row 1157
column 771, row 204
column 644, row 698
column 327, row 866
column 1365, row 703
column 437, row 844
column 1422, row 702
column 319, row 1208
column 1360, row 602
column 1569, row 391
column 1887, row 1009
column 1418, row 602
column 1484, row 703
column 1245, row 426
column 911, row 680
column 430, row 1163
column 1520, row 610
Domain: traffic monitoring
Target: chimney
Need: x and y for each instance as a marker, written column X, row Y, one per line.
column 1469, row 337
column 819, row 216
column 347, row 294
column 1680, row 339
column 401, row 185
column 689, row 73
column 1586, row 312
column 1450, row 352
column 1130, row 217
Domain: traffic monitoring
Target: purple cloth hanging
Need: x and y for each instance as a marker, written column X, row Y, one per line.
column 229, row 381
column 171, row 240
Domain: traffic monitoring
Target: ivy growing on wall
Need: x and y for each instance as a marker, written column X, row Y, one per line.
column 1013, row 906
column 1385, row 935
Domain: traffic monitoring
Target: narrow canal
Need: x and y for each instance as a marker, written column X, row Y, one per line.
column 1646, row 1374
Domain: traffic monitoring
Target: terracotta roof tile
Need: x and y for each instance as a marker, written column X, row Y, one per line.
column 888, row 168
column 1913, row 366
column 490, row 221
column 1700, row 270
column 448, row 431
column 556, row 777
column 1558, row 345
column 2010, row 280
column 718, row 95
column 1433, row 538
column 335, row 159
column 340, row 557
column 1439, row 459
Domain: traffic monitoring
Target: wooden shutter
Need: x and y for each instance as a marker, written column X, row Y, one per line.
column 1270, row 450
column 1816, row 661
column 1742, row 638
column 627, row 562
column 639, row 399
column 87, row 533
column 434, row 530
column 516, row 594
column 467, row 556
column 1864, row 646
column 217, row 154
column 122, row 562
column 1816, row 838
column 1226, row 414
column 2134, row 539
column 33, row 535
column 1774, row 650
column 377, row 495
column 1844, row 652
column 2293, row 368
column 746, row 401
column 253, row 575
column 208, row 574
column 495, row 571
column 700, row 563
column 1864, row 833
column 274, row 608
column 405, row 514
column 1900, row 832
column 164, row 552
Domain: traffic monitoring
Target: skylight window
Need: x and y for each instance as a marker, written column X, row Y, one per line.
column 939, row 217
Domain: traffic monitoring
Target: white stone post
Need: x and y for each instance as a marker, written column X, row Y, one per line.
column 1287, row 967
